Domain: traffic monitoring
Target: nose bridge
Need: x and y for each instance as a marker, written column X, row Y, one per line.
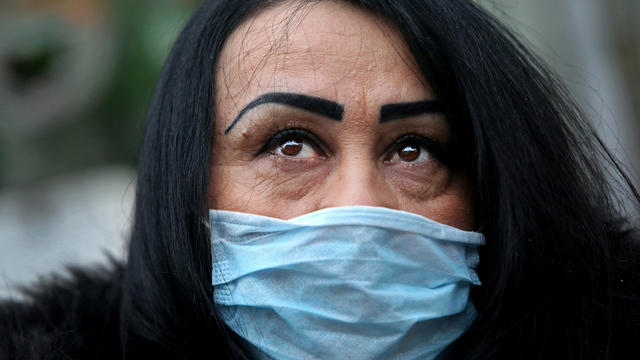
column 356, row 181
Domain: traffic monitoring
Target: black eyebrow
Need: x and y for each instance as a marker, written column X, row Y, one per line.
column 403, row 110
column 324, row 107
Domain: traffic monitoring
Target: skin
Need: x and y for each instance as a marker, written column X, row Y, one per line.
column 345, row 54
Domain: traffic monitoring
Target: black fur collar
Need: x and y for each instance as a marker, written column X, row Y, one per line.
column 65, row 317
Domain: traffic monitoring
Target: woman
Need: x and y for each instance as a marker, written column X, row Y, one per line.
column 427, row 109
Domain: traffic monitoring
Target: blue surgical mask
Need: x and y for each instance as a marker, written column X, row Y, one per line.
column 343, row 283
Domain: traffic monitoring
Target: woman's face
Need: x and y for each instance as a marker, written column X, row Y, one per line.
column 323, row 105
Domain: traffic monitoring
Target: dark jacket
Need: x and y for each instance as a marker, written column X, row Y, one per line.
column 77, row 316
column 65, row 317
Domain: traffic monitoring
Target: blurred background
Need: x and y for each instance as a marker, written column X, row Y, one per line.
column 76, row 77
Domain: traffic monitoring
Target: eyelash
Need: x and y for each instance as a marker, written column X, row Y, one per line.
column 291, row 132
column 434, row 147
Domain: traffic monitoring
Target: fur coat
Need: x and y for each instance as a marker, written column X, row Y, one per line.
column 70, row 317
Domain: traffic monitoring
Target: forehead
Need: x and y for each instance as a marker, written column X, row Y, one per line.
column 329, row 49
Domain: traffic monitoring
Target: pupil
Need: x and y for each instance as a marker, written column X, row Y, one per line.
column 409, row 153
column 291, row 147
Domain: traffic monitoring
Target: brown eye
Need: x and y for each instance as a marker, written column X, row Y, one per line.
column 294, row 144
column 409, row 153
column 291, row 147
column 295, row 148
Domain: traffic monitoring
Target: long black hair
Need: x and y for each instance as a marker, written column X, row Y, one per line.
column 560, row 268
